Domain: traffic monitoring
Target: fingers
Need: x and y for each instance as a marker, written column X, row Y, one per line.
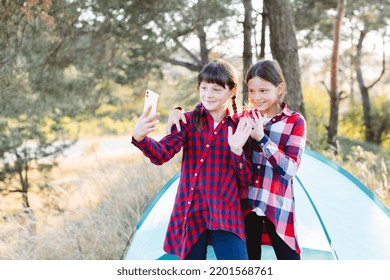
column 147, row 110
column 150, row 118
column 257, row 116
column 245, row 123
column 151, row 124
column 174, row 120
column 148, row 122
column 183, row 118
column 178, row 127
column 248, row 127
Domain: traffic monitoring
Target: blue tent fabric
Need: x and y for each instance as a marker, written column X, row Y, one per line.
column 356, row 223
column 337, row 217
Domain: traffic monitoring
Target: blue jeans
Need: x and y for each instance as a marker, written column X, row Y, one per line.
column 227, row 246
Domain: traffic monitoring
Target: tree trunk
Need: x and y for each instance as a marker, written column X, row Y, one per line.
column 263, row 27
column 31, row 220
column 204, row 51
column 247, row 51
column 364, row 90
column 285, row 49
column 371, row 134
column 24, row 183
column 333, row 92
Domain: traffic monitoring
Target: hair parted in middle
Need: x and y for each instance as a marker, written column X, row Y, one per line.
column 268, row 70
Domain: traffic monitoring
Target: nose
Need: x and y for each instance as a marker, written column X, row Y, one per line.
column 209, row 91
column 258, row 97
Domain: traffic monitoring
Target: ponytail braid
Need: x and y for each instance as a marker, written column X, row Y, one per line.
column 197, row 119
column 234, row 105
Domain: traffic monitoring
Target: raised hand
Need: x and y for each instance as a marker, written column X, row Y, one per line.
column 145, row 124
column 258, row 125
column 175, row 116
column 238, row 139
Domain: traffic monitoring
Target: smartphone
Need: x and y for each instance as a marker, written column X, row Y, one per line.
column 151, row 98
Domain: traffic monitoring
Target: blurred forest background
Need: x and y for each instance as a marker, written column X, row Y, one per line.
column 73, row 75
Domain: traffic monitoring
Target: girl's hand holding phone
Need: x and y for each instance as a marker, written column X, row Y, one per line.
column 145, row 124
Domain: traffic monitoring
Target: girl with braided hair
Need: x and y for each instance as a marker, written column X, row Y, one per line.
column 207, row 207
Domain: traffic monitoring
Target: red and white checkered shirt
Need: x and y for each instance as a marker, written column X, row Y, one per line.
column 275, row 160
column 211, row 175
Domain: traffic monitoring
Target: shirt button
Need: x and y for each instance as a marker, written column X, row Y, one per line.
column 208, row 146
column 189, row 202
column 273, row 119
column 196, row 174
column 262, row 144
column 185, row 218
column 215, row 132
column 202, row 160
column 258, row 167
column 192, row 189
column 257, row 181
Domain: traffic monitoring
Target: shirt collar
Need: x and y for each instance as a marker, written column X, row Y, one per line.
column 285, row 110
column 203, row 111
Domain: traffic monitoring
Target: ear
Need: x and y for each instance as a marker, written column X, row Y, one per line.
column 280, row 89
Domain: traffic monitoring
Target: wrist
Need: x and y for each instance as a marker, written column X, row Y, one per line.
column 258, row 137
column 138, row 138
column 237, row 151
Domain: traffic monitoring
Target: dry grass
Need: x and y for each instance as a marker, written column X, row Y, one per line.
column 87, row 213
column 89, row 210
column 369, row 167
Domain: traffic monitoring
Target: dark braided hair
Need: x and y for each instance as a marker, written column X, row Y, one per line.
column 218, row 72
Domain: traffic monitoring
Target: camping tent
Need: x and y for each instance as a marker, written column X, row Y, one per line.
column 337, row 216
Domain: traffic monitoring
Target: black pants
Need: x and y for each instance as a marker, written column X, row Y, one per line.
column 254, row 230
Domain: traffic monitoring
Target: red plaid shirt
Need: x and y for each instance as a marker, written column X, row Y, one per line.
column 276, row 159
column 211, row 175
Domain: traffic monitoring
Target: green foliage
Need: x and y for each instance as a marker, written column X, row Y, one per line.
column 42, row 83
column 317, row 116
column 144, row 34
column 381, row 119
column 352, row 126
column 313, row 17
column 351, row 122
column 90, row 61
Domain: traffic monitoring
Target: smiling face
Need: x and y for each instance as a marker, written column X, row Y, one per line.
column 266, row 87
column 214, row 97
column 264, row 96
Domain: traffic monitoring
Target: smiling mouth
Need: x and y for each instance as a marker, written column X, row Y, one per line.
column 258, row 104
